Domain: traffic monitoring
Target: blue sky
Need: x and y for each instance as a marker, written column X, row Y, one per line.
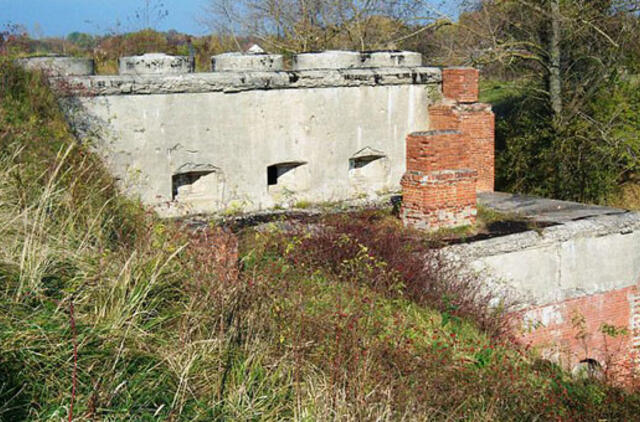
column 60, row 17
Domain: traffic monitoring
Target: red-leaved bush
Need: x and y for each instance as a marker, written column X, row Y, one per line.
column 364, row 248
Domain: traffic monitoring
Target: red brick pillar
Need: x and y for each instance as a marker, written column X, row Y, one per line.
column 460, row 84
column 476, row 121
column 461, row 111
column 438, row 189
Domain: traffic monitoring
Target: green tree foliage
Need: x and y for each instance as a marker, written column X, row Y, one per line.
column 584, row 159
column 573, row 132
column 82, row 40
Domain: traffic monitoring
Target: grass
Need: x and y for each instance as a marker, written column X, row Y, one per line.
column 108, row 313
column 627, row 197
column 496, row 92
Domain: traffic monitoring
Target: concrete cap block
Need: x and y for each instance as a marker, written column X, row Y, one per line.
column 239, row 62
column 331, row 59
column 391, row 59
column 59, row 65
column 156, row 64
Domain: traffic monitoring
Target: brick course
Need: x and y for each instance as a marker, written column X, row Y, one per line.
column 477, row 122
column 460, row 84
column 437, row 150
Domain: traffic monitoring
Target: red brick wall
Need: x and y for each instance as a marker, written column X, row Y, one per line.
column 438, row 199
column 477, row 122
column 437, row 150
column 460, row 84
column 570, row 331
column 479, row 126
column 439, row 188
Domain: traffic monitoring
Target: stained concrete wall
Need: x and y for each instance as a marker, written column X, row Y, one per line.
column 343, row 131
column 588, row 250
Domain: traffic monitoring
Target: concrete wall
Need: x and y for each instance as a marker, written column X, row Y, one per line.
column 573, row 259
column 251, row 140
column 147, row 139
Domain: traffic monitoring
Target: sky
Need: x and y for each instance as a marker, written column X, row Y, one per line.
column 61, row 17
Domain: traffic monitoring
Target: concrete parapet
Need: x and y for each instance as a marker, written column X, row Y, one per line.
column 332, row 59
column 59, row 65
column 156, row 64
column 247, row 81
column 391, row 59
column 238, row 62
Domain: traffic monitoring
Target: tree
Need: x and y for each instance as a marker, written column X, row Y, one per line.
column 306, row 25
column 82, row 40
column 572, row 133
column 149, row 15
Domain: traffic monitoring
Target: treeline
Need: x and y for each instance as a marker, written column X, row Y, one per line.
column 106, row 49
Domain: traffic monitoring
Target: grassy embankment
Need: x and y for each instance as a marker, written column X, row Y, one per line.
column 126, row 317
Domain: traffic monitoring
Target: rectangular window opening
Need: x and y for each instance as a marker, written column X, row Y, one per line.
column 185, row 179
column 276, row 170
column 357, row 163
column 272, row 175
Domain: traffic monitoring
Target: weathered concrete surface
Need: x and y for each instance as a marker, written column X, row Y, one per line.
column 247, row 81
column 591, row 250
column 207, row 140
column 332, row 59
column 541, row 209
column 391, row 59
column 156, row 64
column 242, row 62
column 59, row 66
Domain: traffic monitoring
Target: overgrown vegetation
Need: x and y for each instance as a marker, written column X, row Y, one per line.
column 569, row 129
column 107, row 313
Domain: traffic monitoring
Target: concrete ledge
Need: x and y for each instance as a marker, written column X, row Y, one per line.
column 59, row 66
column 599, row 226
column 543, row 209
column 245, row 81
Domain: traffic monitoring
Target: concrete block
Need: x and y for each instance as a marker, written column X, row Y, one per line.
column 240, row 62
column 59, row 65
column 332, row 59
column 156, row 64
column 391, row 59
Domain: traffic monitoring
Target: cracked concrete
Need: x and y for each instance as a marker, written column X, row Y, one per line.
column 244, row 81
